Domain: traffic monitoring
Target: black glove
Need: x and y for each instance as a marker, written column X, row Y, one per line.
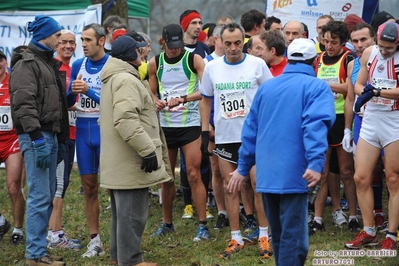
column 205, row 142
column 150, row 163
column 61, row 153
column 362, row 99
column 368, row 88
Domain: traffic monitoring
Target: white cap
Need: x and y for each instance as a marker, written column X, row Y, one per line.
column 301, row 50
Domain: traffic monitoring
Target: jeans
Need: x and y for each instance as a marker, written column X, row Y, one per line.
column 41, row 185
column 288, row 220
column 129, row 215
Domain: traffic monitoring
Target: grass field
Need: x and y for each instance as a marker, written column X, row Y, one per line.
column 177, row 248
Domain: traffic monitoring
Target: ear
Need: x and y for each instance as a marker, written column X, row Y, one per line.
column 273, row 50
column 101, row 41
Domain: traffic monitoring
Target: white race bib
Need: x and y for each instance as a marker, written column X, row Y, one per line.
column 87, row 106
column 386, row 84
column 232, row 104
column 72, row 118
column 5, row 118
column 175, row 94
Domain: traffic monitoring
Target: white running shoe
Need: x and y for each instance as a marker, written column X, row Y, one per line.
column 339, row 218
column 94, row 248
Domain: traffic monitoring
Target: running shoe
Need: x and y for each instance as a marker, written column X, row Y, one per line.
column 265, row 250
column 251, row 238
column 354, row 225
column 221, row 222
column 362, row 240
column 17, row 239
column 379, row 221
column 202, row 233
column 339, row 218
column 250, row 226
column 389, row 244
column 64, row 242
column 232, row 248
column 94, row 248
column 188, row 212
column 163, row 230
column 4, row 229
column 209, row 214
column 314, row 227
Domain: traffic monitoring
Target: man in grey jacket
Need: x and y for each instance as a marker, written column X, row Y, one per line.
column 38, row 109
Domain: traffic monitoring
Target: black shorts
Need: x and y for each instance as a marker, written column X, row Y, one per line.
column 336, row 133
column 177, row 137
column 228, row 152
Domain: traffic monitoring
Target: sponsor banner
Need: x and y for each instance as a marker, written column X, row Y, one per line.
column 307, row 11
column 13, row 26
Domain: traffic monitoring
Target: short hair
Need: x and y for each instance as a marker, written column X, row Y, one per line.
column 224, row 19
column 217, row 31
column 362, row 26
column 300, row 23
column 98, row 30
column 250, row 42
column 252, row 18
column 66, row 31
column 111, row 21
column 145, row 36
column 337, row 29
column 274, row 38
column 330, row 18
column 231, row 28
column 305, row 29
column 270, row 21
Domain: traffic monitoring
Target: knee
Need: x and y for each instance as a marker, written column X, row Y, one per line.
column 14, row 189
column 360, row 181
column 193, row 176
column 392, row 181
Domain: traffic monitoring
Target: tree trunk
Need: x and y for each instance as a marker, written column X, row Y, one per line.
column 115, row 7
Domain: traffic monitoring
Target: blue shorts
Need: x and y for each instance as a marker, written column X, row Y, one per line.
column 87, row 145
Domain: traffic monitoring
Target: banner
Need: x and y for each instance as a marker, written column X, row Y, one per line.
column 308, row 11
column 13, row 26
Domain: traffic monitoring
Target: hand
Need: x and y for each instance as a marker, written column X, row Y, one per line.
column 362, row 99
column 41, row 153
column 79, row 86
column 160, row 105
column 346, row 141
column 173, row 102
column 235, row 182
column 312, row 177
column 61, row 153
column 205, row 142
column 150, row 163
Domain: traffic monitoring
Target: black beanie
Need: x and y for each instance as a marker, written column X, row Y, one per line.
column 379, row 19
column 124, row 48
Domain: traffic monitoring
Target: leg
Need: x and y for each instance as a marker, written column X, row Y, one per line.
column 392, row 179
column 294, row 242
column 92, row 208
column 169, row 190
column 58, row 202
column 323, row 191
column 260, row 210
column 217, row 181
column 131, row 217
column 365, row 161
column 14, row 166
column 346, row 169
column 192, row 157
column 271, row 203
column 232, row 198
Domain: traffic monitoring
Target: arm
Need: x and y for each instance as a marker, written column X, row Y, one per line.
column 71, row 97
column 153, row 81
column 205, row 111
column 339, row 88
column 350, row 98
column 361, row 79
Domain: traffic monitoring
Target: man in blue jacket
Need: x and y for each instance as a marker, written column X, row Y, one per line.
column 285, row 132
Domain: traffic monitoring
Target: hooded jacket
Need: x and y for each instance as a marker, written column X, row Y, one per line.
column 286, row 129
column 37, row 94
column 129, row 129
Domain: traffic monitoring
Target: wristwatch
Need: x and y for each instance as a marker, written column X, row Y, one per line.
column 378, row 92
column 184, row 98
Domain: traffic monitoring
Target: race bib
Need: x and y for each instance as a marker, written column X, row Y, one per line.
column 232, row 104
column 383, row 83
column 167, row 96
column 333, row 80
column 5, row 118
column 87, row 106
column 72, row 118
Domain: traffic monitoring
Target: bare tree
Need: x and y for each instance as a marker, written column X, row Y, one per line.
column 113, row 7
